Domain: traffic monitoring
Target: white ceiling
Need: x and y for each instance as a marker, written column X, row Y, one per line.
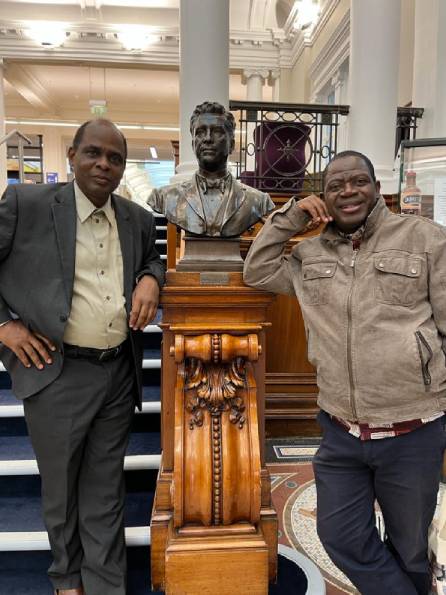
column 41, row 88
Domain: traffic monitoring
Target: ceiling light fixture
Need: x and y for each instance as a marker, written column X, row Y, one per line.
column 47, row 33
column 307, row 13
column 136, row 38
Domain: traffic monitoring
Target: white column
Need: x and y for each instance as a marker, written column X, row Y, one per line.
column 275, row 83
column 3, row 162
column 318, row 97
column 204, row 66
column 254, row 78
column 429, row 69
column 54, row 157
column 339, row 84
column 374, row 62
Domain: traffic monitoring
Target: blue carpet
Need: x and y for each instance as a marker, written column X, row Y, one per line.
column 20, row 505
column 151, row 393
column 24, row 573
column 18, row 448
column 144, row 444
column 152, row 353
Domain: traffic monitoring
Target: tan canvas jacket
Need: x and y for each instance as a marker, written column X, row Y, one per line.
column 375, row 318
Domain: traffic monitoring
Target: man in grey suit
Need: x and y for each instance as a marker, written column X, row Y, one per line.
column 79, row 279
column 212, row 203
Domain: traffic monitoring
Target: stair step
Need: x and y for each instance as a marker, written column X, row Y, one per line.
column 21, row 524
column 25, row 573
column 11, row 407
column 151, row 360
column 19, row 541
column 17, row 455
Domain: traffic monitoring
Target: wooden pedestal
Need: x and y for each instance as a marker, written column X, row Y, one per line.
column 213, row 526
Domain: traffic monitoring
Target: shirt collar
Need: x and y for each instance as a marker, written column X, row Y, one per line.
column 206, row 184
column 85, row 207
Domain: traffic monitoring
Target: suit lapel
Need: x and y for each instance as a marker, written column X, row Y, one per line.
column 125, row 232
column 192, row 196
column 64, row 215
column 235, row 200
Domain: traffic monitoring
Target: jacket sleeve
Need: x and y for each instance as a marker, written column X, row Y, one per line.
column 437, row 279
column 8, row 222
column 266, row 266
column 152, row 263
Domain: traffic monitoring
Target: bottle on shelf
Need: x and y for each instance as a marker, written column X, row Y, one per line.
column 411, row 195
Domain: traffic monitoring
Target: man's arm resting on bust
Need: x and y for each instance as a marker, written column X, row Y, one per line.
column 266, row 265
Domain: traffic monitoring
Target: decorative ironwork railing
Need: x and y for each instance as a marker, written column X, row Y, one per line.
column 284, row 148
column 407, row 124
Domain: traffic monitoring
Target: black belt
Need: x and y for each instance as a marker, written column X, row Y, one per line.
column 101, row 355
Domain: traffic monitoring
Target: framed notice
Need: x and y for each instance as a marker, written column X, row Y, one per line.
column 52, row 177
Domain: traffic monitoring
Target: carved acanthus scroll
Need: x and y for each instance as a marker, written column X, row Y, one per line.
column 215, row 370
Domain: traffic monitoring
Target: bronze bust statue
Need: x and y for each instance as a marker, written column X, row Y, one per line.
column 212, row 203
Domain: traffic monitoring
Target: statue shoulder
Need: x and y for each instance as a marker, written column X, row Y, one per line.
column 160, row 198
column 257, row 196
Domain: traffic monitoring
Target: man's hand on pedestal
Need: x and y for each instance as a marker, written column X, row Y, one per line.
column 145, row 300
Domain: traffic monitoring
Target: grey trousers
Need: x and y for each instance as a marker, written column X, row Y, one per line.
column 79, row 427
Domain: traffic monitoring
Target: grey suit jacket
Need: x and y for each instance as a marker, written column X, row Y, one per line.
column 181, row 205
column 37, row 256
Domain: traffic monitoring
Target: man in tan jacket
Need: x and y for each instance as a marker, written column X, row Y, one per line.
column 372, row 292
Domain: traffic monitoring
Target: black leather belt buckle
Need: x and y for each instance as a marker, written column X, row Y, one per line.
column 110, row 353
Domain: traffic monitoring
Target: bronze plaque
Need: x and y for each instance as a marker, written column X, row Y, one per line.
column 209, row 278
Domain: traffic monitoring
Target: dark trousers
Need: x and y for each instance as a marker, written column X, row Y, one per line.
column 402, row 474
column 79, row 427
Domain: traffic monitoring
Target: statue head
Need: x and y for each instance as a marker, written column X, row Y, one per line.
column 212, row 128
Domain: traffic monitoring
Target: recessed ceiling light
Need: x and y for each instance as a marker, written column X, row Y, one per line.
column 48, row 33
column 136, row 37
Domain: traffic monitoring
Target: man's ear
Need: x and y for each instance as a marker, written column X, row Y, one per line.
column 232, row 145
column 70, row 154
column 378, row 187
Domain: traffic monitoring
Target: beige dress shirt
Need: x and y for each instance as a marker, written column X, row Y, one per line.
column 98, row 317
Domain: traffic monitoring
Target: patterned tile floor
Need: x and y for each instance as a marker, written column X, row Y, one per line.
column 294, row 497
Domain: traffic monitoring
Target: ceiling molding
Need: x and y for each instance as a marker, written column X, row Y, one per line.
column 327, row 10
column 26, row 84
column 332, row 55
column 98, row 43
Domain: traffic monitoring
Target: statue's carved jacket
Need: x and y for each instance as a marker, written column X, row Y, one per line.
column 181, row 205
column 375, row 318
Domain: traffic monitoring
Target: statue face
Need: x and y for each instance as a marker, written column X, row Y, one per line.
column 212, row 142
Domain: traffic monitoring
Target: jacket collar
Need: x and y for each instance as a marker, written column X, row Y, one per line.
column 64, row 214
column 331, row 233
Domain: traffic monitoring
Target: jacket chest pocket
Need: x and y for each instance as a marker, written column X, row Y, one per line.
column 317, row 281
column 398, row 279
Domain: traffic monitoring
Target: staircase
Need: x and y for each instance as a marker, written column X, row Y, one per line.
column 24, row 547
